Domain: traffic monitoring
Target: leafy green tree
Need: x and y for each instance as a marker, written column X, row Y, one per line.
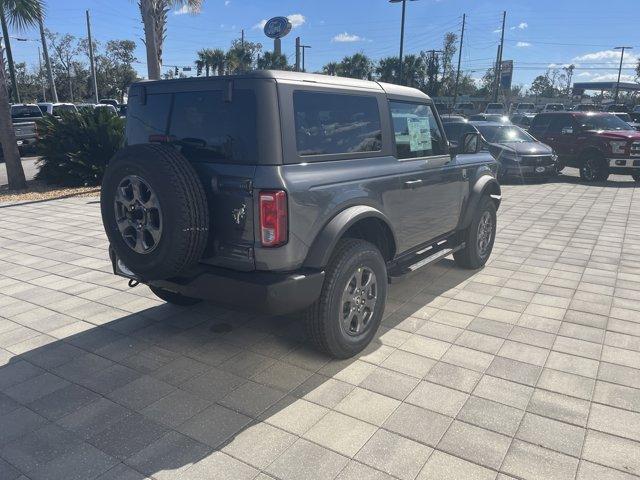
column 242, row 56
column 65, row 48
column 542, row 86
column 414, row 71
column 19, row 14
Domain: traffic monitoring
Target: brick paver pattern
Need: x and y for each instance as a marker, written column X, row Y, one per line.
column 528, row 368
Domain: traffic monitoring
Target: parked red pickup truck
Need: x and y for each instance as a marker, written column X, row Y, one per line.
column 597, row 143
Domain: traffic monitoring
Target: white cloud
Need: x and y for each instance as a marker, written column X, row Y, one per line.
column 523, row 25
column 185, row 9
column 523, row 44
column 606, row 77
column 296, row 19
column 346, row 38
column 227, row 3
column 497, row 30
column 260, row 25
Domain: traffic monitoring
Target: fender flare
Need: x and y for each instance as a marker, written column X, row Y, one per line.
column 322, row 247
column 485, row 184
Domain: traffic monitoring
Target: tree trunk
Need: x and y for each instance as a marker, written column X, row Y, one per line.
column 15, row 173
column 153, row 65
column 12, row 71
column 70, row 84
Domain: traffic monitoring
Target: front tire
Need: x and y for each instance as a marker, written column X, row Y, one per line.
column 346, row 316
column 173, row 297
column 636, row 177
column 594, row 168
column 478, row 237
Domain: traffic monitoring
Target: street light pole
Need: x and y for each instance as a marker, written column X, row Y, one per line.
column 404, row 7
column 47, row 61
column 455, row 92
column 615, row 100
column 304, row 47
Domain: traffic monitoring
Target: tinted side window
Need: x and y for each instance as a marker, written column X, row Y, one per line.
column 453, row 131
column 328, row 123
column 540, row 124
column 210, row 129
column 559, row 122
column 148, row 119
column 416, row 130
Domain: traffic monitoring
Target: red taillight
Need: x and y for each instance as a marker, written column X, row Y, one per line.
column 273, row 218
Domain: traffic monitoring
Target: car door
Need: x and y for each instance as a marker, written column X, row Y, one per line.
column 429, row 203
column 562, row 137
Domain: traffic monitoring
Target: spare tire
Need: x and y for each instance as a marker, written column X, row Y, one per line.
column 154, row 211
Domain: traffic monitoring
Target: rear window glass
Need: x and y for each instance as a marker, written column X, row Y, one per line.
column 209, row 128
column 148, row 119
column 25, row 111
column 328, row 123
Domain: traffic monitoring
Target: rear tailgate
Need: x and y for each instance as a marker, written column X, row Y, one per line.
column 24, row 130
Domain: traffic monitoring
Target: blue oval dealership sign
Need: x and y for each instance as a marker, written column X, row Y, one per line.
column 277, row 27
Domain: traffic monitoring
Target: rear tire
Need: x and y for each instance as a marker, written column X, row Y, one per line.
column 346, row 316
column 173, row 297
column 478, row 237
column 594, row 168
column 636, row 177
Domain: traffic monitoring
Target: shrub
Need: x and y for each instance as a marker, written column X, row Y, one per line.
column 75, row 148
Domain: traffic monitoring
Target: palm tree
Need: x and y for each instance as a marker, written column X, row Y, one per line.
column 273, row 61
column 204, row 60
column 218, row 60
column 331, row 68
column 415, row 71
column 154, row 19
column 19, row 14
column 387, row 69
column 357, row 65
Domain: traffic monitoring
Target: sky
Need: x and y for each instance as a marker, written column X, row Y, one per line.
column 538, row 34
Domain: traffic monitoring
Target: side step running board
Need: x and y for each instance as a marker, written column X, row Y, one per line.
column 436, row 252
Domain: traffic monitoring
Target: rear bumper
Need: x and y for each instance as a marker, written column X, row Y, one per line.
column 272, row 293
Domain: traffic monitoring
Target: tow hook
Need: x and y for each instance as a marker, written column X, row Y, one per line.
column 133, row 283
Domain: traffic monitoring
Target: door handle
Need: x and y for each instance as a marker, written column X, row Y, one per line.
column 412, row 184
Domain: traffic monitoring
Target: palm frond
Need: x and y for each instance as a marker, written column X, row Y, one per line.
column 22, row 13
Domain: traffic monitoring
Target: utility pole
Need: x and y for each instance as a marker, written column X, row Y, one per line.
column 297, row 54
column 455, row 91
column 304, row 47
column 93, row 65
column 242, row 39
column 12, row 68
column 619, row 71
column 496, row 90
column 47, row 62
column 44, row 90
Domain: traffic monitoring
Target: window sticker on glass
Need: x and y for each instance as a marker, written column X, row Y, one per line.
column 419, row 134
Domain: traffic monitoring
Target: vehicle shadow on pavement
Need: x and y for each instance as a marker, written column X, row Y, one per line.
column 202, row 392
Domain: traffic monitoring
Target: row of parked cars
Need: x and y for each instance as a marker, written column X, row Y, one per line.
column 543, row 144
column 24, row 116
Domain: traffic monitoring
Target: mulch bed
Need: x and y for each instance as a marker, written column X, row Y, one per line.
column 37, row 191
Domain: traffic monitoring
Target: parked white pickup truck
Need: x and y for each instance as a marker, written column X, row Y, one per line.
column 24, row 116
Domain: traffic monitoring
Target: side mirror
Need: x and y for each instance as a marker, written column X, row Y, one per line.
column 471, row 143
column 453, row 148
column 567, row 130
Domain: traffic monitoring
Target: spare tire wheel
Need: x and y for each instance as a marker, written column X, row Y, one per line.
column 154, row 211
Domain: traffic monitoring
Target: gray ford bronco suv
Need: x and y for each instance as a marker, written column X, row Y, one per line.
column 284, row 192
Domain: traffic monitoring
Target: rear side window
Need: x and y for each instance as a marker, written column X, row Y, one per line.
column 149, row 119
column 328, row 123
column 208, row 128
column 560, row 122
column 416, row 130
column 25, row 111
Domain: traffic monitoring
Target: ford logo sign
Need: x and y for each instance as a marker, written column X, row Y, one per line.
column 277, row 27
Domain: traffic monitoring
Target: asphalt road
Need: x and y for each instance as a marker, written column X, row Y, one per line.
column 29, row 165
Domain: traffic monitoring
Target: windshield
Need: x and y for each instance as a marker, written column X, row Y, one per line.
column 526, row 106
column 494, row 106
column 57, row 109
column 625, row 117
column 602, row 122
column 554, row 107
column 25, row 111
column 506, row 134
